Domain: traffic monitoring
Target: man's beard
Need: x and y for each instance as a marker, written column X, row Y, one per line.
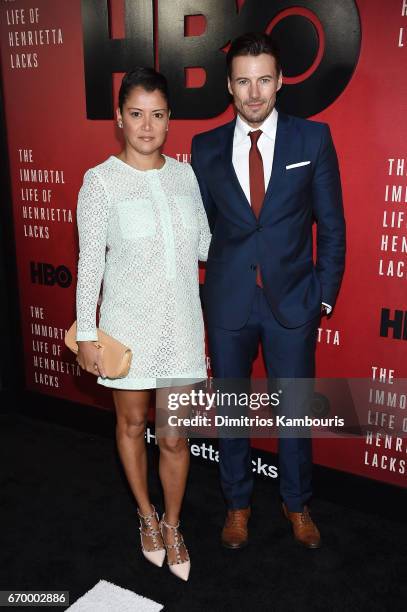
column 255, row 117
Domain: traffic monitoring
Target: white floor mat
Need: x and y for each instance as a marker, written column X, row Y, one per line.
column 108, row 597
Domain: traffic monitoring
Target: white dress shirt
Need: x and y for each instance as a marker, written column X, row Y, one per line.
column 266, row 145
column 241, row 148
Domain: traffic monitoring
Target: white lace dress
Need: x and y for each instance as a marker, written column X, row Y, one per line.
column 142, row 233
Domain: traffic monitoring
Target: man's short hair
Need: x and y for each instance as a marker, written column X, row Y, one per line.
column 252, row 43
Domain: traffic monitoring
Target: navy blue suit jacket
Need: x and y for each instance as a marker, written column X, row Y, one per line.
column 280, row 241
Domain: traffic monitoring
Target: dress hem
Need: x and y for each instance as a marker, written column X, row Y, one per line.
column 152, row 383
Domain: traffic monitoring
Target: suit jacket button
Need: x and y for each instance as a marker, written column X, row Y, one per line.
column 253, row 267
column 259, row 228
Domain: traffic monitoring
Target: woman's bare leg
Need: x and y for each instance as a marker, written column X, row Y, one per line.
column 131, row 416
column 174, row 465
column 173, row 470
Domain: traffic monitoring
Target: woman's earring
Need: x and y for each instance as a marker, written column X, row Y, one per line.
column 120, row 124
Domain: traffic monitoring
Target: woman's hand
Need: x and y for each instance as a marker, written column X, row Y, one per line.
column 89, row 358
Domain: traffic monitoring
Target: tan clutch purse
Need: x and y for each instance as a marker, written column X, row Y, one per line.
column 115, row 355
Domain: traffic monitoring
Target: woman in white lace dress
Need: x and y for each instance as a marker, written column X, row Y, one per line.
column 142, row 228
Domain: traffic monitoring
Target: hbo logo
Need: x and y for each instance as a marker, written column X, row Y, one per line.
column 47, row 274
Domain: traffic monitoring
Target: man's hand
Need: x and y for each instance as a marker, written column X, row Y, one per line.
column 89, row 358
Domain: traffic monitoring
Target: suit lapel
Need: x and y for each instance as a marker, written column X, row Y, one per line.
column 227, row 160
column 281, row 150
column 281, row 154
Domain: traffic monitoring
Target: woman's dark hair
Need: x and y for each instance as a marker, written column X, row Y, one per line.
column 252, row 43
column 147, row 78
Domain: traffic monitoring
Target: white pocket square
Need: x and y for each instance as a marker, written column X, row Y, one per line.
column 304, row 163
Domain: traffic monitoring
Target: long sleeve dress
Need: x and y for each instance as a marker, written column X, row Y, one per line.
column 141, row 233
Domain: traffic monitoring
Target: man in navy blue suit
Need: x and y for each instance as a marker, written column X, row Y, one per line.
column 265, row 178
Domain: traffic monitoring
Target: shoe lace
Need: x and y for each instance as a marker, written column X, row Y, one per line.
column 235, row 519
column 305, row 516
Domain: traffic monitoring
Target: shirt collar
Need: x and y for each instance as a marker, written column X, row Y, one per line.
column 268, row 127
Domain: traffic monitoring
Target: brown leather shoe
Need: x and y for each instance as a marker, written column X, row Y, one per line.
column 234, row 532
column 304, row 529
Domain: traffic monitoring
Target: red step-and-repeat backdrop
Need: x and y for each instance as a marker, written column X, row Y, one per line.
column 59, row 119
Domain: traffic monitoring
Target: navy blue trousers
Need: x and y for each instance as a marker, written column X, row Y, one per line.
column 288, row 353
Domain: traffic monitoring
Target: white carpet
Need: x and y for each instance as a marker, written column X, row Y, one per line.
column 108, row 597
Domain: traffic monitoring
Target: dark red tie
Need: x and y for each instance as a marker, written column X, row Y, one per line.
column 257, row 187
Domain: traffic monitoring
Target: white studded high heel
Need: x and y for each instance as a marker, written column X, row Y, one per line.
column 157, row 554
column 180, row 567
